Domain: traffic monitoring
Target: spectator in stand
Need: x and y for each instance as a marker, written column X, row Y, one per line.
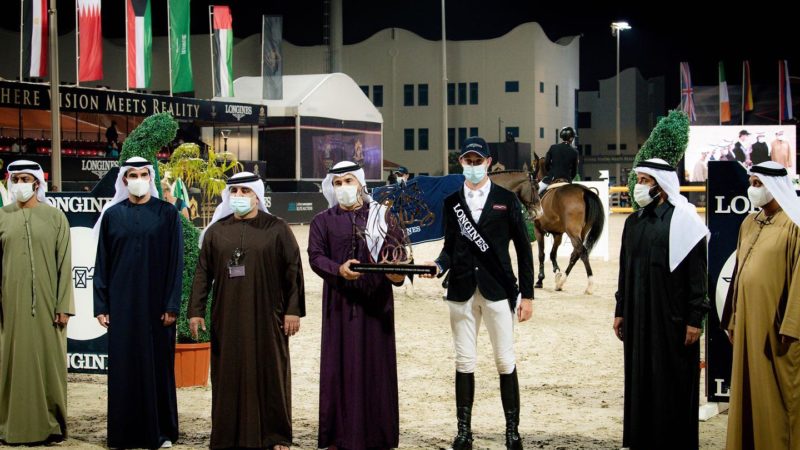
column 111, row 133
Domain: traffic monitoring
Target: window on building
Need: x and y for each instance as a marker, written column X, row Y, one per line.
column 587, row 149
column 623, row 146
column 584, row 120
column 462, row 136
column 556, row 96
column 451, row 138
column 366, row 90
column 514, row 131
column 422, row 94
column 612, row 146
column 451, row 93
column 424, row 174
column 408, row 95
column 462, row 93
column 473, row 131
column 512, row 86
column 408, row 139
column 558, row 137
column 473, row 93
column 422, row 139
column 541, row 133
column 541, row 87
column 377, row 95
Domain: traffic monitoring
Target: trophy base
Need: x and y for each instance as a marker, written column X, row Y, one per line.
column 398, row 269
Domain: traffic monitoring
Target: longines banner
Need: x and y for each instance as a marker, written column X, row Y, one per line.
column 87, row 341
column 102, row 101
column 728, row 206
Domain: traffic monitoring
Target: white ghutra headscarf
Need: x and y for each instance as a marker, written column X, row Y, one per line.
column 29, row 167
column 775, row 178
column 686, row 228
column 376, row 219
column 121, row 193
column 242, row 179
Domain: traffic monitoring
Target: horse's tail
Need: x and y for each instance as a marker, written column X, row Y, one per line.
column 595, row 218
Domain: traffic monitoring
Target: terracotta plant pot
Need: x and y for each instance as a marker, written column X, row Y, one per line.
column 192, row 362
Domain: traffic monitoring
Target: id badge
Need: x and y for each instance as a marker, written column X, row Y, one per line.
column 235, row 271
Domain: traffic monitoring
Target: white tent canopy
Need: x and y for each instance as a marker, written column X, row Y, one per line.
column 332, row 96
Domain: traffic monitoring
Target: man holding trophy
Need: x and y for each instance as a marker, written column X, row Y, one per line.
column 358, row 404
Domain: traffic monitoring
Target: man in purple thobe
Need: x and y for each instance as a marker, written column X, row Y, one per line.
column 358, row 406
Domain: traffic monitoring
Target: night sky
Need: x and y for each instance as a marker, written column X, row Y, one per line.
column 661, row 36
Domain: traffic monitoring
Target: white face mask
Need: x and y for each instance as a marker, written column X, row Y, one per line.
column 347, row 196
column 23, row 191
column 759, row 196
column 241, row 205
column 474, row 174
column 641, row 193
column 138, row 187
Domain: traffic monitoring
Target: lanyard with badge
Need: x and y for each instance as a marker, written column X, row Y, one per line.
column 235, row 264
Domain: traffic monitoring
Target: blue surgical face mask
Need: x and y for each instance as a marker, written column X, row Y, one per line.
column 241, row 205
column 474, row 174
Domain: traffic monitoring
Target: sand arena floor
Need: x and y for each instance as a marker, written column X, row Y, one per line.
column 569, row 363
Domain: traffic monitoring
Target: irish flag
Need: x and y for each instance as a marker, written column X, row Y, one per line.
column 724, row 102
column 140, row 43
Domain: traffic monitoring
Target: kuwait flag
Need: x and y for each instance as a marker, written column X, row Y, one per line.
column 223, row 51
column 140, row 43
column 34, row 46
column 724, row 102
column 91, row 41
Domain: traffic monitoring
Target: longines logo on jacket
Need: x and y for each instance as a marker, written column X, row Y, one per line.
column 468, row 230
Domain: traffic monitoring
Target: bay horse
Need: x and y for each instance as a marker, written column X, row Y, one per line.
column 524, row 185
column 572, row 209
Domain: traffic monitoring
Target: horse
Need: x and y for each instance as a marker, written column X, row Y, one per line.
column 524, row 185
column 572, row 209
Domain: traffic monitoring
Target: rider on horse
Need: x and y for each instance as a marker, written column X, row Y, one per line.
column 561, row 161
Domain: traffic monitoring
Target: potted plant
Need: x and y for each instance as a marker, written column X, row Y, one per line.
column 192, row 358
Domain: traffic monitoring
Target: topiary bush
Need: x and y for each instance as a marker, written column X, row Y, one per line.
column 667, row 141
column 191, row 254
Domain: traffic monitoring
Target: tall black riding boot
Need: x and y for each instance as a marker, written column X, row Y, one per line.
column 509, row 394
column 465, row 393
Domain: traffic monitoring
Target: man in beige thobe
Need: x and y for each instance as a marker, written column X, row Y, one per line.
column 35, row 305
column 780, row 151
column 763, row 318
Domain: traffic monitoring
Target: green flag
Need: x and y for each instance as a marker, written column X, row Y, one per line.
column 180, row 46
column 179, row 191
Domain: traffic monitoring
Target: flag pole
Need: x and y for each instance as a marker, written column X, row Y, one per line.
column 77, row 46
column 211, row 46
column 127, row 50
column 21, row 36
column 55, row 102
column 169, row 45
